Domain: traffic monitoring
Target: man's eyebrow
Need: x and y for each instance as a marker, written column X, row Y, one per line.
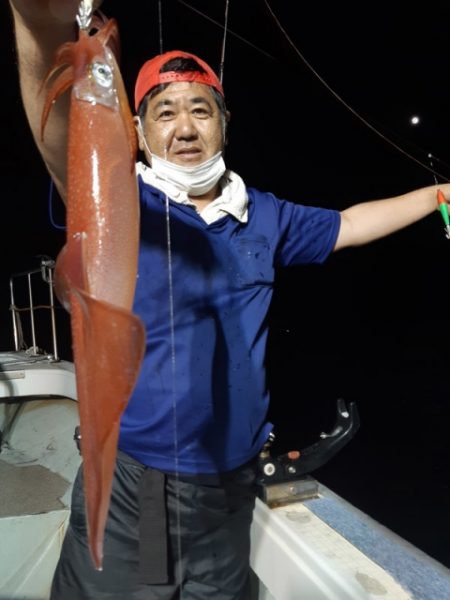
column 200, row 100
column 161, row 103
column 194, row 100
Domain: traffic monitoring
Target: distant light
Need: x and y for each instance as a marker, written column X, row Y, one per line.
column 414, row 120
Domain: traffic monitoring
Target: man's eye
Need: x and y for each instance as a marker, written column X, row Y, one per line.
column 165, row 114
column 200, row 112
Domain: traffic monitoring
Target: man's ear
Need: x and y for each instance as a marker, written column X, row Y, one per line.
column 140, row 132
column 225, row 133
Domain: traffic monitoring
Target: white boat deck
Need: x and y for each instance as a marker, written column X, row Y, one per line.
column 24, row 375
column 38, row 462
column 326, row 549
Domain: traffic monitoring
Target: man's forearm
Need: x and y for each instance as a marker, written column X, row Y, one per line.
column 38, row 34
column 368, row 221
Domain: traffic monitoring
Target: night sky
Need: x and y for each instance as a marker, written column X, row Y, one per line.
column 371, row 324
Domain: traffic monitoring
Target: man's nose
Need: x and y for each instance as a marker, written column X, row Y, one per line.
column 185, row 126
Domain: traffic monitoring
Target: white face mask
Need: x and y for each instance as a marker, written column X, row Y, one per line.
column 195, row 180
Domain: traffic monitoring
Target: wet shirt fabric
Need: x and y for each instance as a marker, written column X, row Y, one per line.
column 201, row 400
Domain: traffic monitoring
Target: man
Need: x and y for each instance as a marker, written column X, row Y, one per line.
column 183, row 492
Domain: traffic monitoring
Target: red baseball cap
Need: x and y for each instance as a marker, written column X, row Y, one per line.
column 149, row 75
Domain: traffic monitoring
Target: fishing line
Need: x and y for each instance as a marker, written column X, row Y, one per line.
column 316, row 74
column 160, row 27
column 50, row 207
column 173, row 358
column 347, row 106
column 173, row 362
column 225, row 29
column 236, row 35
column 430, row 156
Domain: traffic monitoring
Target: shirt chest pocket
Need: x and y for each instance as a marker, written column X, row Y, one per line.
column 252, row 264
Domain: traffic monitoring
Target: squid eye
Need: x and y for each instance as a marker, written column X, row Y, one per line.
column 102, row 74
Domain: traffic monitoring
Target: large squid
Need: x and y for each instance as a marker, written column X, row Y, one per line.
column 96, row 270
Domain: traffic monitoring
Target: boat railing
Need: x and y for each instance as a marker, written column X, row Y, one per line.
column 27, row 282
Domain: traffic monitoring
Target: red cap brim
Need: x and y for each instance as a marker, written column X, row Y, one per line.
column 149, row 75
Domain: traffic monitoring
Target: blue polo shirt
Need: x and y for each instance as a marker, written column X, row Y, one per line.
column 201, row 399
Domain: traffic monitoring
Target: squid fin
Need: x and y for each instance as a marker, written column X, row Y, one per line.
column 69, row 270
column 106, row 339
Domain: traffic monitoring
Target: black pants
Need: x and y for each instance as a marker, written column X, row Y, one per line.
column 206, row 542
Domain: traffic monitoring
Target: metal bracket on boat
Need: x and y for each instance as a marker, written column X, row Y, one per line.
column 77, row 438
column 284, row 479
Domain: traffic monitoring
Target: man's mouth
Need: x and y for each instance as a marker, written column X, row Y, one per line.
column 188, row 151
column 188, row 155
